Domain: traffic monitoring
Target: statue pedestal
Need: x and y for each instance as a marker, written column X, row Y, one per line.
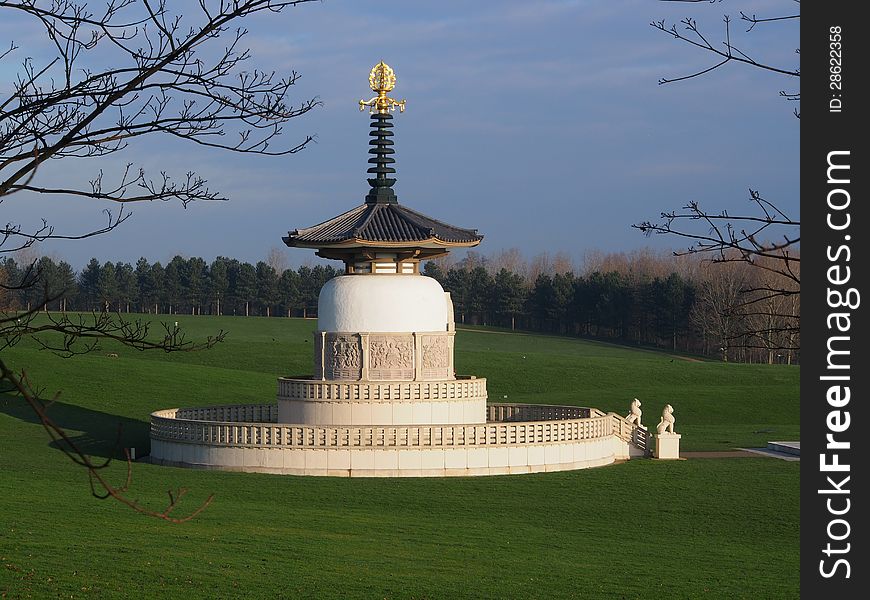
column 667, row 446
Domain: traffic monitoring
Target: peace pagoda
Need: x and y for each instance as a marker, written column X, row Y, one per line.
column 384, row 399
column 383, row 321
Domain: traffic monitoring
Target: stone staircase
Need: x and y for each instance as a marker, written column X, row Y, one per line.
column 793, row 448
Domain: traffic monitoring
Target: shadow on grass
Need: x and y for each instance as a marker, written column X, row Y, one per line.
column 95, row 433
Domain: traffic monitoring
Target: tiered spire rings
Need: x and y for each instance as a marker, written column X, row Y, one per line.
column 382, row 79
column 381, row 228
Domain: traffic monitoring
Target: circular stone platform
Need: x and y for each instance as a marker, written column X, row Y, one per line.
column 517, row 438
column 332, row 402
column 384, row 399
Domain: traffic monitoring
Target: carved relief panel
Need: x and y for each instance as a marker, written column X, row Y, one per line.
column 343, row 357
column 436, row 357
column 391, row 357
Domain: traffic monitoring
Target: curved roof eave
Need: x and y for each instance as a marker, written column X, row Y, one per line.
column 432, row 242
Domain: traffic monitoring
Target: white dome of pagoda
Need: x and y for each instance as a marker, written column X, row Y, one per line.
column 382, row 303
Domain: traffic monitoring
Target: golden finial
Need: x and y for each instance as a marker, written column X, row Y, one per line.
column 382, row 79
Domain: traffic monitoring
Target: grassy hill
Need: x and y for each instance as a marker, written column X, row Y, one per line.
column 715, row 528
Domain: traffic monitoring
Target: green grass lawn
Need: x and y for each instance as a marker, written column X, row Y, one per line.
column 701, row 528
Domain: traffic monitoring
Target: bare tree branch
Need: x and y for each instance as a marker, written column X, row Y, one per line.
column 735, row 238
column 168, row 73
column 726, row 51
column 100, row 486
column 166, row 79
column 753, row 310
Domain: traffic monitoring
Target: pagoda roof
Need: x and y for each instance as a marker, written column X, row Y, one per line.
column 378, row 224
column 382, row 223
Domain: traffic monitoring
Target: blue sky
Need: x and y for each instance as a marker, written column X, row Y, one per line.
column 539, row 123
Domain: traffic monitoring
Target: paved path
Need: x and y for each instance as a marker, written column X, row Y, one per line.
column 743, row 453
column 720, row 454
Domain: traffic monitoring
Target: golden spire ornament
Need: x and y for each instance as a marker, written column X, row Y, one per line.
column 382, row 79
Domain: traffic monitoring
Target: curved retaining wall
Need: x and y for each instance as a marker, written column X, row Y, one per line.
column 247, row 438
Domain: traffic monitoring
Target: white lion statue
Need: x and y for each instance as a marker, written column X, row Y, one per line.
column 635, row 414
column 667, row 422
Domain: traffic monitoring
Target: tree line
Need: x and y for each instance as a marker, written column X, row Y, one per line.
column 734, row 311
column 227, row 286
column 644, row 299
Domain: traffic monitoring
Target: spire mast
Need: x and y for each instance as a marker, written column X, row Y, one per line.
column 382, row 80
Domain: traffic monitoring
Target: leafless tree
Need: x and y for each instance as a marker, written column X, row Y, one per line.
column 546, row 264
column 277, row 259
column 726, row 51
column 180, row 72
column 512, row 260
column 764, row 236
column 771, row 304
column 719, row 311
column 103, row 327
column 744, row 238
column 640, row 264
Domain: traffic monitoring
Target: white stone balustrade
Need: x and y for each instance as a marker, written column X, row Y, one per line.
column 536, row 412
column 237, row 428
column 228, row 437
column 374, row 391
column 358, row 403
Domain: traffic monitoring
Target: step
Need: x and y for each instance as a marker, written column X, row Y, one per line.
column 785, row 447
